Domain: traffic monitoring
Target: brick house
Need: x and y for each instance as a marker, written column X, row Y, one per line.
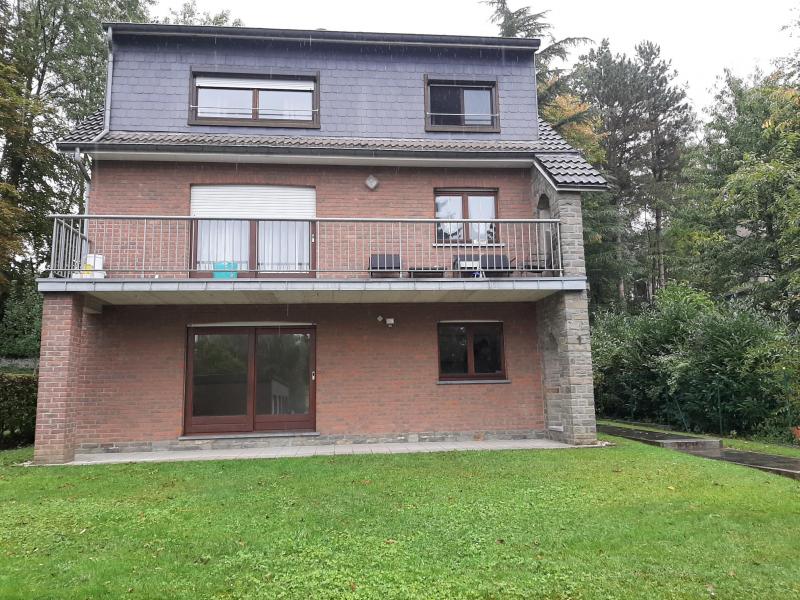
column 305, row 236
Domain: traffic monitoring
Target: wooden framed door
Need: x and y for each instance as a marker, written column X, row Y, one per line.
column 284, row 379
column 245, row 379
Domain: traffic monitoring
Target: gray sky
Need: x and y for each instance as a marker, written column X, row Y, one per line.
column 702, row 37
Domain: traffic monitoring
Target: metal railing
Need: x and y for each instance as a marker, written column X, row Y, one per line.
column 178, row 247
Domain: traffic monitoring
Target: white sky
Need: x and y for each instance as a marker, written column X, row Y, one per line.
column 702, row 37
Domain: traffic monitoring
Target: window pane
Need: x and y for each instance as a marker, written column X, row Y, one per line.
column 219, row 376
column 453, row 350
column 477, row 107
column 487, row 349
column 284, row 246
column 445, row 106
column 229, row 104
column 288, row 105
column 449, row 207
column 282, row 374
column 481, row 207
column 223, row 245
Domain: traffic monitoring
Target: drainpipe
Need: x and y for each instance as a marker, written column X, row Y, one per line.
column 109, row 79
column 106, row 116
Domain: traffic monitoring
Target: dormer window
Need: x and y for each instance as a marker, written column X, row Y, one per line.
column 452, row 105
column 255, row 100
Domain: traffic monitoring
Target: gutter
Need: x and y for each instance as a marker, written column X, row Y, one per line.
column 325, row 36
column 109, row 80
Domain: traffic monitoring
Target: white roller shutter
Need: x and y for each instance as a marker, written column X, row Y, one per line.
column 254, row 202
column 306, row 85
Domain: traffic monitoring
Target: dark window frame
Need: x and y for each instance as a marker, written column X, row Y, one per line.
column 495, row 100
column 471, row 375
column 255, row 121
column 252, row 249
column 251, row 421
column 465, row 193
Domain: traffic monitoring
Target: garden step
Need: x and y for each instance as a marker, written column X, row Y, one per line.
column 674, row 441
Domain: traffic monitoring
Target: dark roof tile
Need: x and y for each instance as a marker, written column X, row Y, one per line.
column 565, row 165
column 86, row 130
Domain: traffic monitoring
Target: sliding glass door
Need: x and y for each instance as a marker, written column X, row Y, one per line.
column 242, row 379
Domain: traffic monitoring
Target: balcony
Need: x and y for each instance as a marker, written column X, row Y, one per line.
column 302, row 261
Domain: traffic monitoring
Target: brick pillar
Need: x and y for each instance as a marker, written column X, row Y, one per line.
column 62, row 321
column 563, row 327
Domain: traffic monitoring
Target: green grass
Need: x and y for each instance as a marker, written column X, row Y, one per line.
column 629, row 521
column 735, row 443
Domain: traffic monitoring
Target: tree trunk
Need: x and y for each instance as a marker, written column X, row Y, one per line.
column 661, row 275
column 621, row 282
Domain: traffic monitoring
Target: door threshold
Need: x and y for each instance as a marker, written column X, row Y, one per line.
column 249, row 435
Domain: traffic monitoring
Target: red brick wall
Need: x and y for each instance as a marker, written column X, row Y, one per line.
column 59, row 377
column 160, row 188
column 342, row 249
column 370, row 379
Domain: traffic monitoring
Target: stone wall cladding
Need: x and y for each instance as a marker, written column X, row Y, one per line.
column 267, row 441
column 563, row 326
column 364, row 91
column 372, row 381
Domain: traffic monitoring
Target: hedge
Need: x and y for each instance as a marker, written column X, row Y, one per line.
column 695, row 364
column 17, row 409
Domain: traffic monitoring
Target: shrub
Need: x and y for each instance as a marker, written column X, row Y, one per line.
column 699, row 366
column 17, row 409
column 21, row 325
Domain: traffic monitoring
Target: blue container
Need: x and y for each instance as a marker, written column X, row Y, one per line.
column 225, row 270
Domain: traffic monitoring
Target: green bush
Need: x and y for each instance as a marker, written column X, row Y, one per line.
column 700, row 366
column 17, row 409
column 21, row 324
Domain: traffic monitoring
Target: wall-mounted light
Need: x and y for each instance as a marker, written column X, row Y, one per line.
column 372, row 182
column 388, row 320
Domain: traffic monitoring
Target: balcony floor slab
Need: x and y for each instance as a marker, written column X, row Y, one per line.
column 312, row 291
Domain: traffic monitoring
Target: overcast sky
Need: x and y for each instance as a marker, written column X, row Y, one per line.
column 702, row 37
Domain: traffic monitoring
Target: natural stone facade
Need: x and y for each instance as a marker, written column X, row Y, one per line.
column 563, row 328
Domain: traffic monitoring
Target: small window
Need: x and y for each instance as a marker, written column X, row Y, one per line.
column 279, row 101
column 471, row 351
column 461, row 106
column 466, row 205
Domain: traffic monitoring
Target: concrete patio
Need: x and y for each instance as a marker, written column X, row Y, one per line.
column 318, row 450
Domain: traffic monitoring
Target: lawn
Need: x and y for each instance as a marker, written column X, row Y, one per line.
column 734, row 443
column 631, row 521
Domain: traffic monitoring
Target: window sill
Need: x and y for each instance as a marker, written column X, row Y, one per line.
column 462, row 128
column 471, row 381
column 284, row 124
column 468, row 245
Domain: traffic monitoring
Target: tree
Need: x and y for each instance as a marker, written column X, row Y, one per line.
column 53, row 75
column 21, row 324
column 740, row 230
column 552, row 81
column 645, row 122
column 668, row 124
column 189, row 14
column 611, row 86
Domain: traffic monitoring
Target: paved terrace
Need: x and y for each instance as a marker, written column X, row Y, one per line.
column 320, row 450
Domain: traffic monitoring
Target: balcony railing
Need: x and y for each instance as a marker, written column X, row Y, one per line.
column 160, row 247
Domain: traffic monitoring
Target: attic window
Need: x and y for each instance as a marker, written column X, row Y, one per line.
column 461, row 106
column 261, row 101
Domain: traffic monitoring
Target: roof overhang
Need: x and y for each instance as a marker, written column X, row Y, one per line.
column 407, row 159
column 567, row 188
column 322, row 36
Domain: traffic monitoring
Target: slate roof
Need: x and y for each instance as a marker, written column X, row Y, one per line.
column 563, row 164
